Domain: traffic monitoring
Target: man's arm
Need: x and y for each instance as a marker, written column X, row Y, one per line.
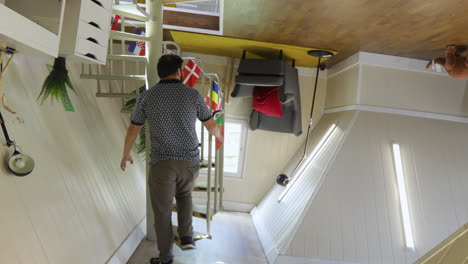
column 213, row 128
column 132, row 134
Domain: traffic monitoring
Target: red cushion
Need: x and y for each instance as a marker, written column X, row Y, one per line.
column 266, row 100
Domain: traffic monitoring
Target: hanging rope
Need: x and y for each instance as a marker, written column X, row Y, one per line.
column 4, row 50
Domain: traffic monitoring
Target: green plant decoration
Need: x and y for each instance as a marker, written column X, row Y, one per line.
column 55, row 85
column 141, row 144
column 129, row 106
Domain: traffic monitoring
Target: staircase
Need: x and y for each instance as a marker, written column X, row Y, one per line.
column 122, row 77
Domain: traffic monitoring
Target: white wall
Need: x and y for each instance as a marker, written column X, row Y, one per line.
column 277, row 222
column 356, row 215
column 376, row 80
column 267, row 152
column 76, row 206
column 419, row 91
column 342, row 88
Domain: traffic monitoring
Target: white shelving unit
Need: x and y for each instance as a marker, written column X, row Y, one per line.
column 86, row 28
column 32, row 28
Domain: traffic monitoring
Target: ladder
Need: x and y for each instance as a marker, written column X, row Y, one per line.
column 124, row 76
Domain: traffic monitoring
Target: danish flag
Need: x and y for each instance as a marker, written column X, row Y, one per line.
column 191, row 73
column 115, row 22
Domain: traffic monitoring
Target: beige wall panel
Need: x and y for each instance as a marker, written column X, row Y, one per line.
column 76, row 206
column 356, row 216
column 411, row 90
column 342, row 88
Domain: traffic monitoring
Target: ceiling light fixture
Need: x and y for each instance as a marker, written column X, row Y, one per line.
column 404, row 205
column 308, row 161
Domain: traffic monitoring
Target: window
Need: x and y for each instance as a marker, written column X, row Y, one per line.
column 235, row 138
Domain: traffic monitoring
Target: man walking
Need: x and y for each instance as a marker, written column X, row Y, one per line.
column 171, row 109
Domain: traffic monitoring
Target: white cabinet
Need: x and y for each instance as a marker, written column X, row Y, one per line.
column 86, row 29
column 32, row 27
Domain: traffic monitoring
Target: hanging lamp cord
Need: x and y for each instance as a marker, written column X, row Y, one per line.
column 5, row 132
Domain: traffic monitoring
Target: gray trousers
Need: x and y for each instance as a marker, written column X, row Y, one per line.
column 169, row 179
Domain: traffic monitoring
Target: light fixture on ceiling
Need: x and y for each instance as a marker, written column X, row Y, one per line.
column 19, row 164
column 283, row 179
column 308, row 161
column 404, row 205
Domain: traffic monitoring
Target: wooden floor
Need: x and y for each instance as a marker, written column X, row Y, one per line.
column 410, row 28
column 234, row 241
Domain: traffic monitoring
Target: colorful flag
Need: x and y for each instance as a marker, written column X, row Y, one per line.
column 115, row 22
column 215, row 98
column 137, row 47
column 220, row 122
column 191, row 73
column 216, row 104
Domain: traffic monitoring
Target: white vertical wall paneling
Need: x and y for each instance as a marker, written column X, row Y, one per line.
column 380, row 201
column 360, row 191
column 276, row 222
column 436, row 184
column 76, row 207
column 359, row 85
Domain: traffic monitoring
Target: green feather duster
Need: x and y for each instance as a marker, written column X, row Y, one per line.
column 55, row 85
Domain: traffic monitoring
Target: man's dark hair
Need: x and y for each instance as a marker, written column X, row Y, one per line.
column 168, row 65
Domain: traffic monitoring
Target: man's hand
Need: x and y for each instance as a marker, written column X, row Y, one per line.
column 132, row 134
column 214, row 129
column 123, row 163
column 220, row 137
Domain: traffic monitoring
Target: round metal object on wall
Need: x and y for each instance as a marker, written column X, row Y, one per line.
column 320, row 53
column 282, row 179
column 20, row 164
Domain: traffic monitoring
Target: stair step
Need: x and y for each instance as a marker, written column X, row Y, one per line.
column 127, row 58
column 201, row 185
column 199, row 211
column 114, row 77
column 196, row 236
column 204, row 164
column 202, row 188
column 127, row 36
column 133, row 11
column 117, row 95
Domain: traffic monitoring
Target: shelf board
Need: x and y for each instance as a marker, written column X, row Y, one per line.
column 26, row 36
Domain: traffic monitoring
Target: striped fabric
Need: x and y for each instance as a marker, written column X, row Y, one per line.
column 216, row 104
column 216, row 101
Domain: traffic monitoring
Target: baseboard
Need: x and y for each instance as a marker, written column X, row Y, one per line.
column 126, row 249
column 230, row 206
column 268, row 244
column 395, row 111
column 380, row 60
column 238, row 207
column 299, row 260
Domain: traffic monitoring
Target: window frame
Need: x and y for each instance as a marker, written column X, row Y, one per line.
column 243, row 121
